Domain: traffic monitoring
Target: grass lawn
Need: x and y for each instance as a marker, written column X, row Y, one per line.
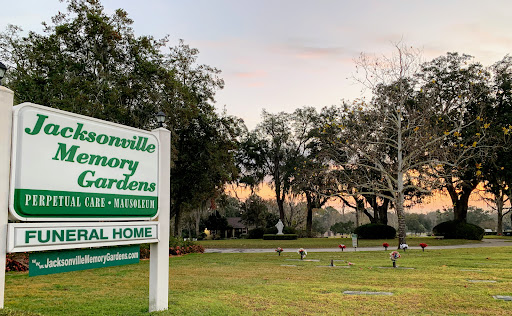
column 268, row 284
column 327, row 242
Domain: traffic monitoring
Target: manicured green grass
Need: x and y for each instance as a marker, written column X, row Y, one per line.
column 260, row 284
column 508, row 238
column 326, row 242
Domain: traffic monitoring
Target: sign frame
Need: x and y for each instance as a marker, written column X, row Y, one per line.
column 13, row 227
column 15, row 125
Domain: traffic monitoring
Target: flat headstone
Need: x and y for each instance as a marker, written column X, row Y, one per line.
column 503, row 297
column 471, row 270
column 308, row 260
column 366, row 293
column 288, row 265
column 482, row 281
column 334, row 267
column 403, row 268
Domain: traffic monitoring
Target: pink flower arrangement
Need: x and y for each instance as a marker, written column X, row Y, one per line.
column 423, row 245
column 342, row 247
column 385, row 245
column 350, row 263
column 279, row 250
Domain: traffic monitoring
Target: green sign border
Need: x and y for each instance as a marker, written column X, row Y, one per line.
column 43, row 263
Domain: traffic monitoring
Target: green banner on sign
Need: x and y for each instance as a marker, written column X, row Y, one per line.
column 45, row 203
column 42, row 263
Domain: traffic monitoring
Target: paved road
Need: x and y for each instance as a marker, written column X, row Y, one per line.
column 484, row 243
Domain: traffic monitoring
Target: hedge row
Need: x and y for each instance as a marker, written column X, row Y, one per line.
column 280, row 237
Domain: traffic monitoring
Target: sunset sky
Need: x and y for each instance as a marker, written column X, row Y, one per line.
column 279, row 55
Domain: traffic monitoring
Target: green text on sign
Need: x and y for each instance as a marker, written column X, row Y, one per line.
column 42, row 263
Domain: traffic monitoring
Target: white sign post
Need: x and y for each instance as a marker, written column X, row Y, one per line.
column 77, row 182
column 6, row 102
column 159, row 252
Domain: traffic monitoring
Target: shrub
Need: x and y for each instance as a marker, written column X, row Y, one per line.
column 289, row 230
column 177, row 247
column 16, row 262
column 256, row 233
column 178, row 251
column 271, row 230
column 458, row 230
column 280, row 237
column 144, row 251
column 375, row 231
column 178, row 241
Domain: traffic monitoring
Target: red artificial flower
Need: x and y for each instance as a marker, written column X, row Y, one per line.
column 423, row 245
column 342, row 246
column 385, row 245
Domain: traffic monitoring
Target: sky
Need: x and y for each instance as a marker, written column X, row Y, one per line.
column 280, row 55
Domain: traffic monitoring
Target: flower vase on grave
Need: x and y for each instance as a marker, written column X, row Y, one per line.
column 393, row 256
column 302, row 253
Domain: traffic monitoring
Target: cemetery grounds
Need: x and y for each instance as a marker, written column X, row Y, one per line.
column 463, row 281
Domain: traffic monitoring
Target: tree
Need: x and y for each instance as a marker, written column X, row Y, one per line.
column 323, row 219
column 459, row 90
column 269, row 151
column 254, row 212
column 216, row 222
column 343, row 227
column 228, row 206
column 311, row 174
column 475, row 215
column 498, row 174
column 204, row 162
column 417, row 223
column 394, row 141
column 92, row 63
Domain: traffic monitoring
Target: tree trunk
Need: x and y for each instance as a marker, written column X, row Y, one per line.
column 198, row 220
column 383, row 212
column 279, row 194
column 359, row 209
column 380, row 212
column 400, row 186
column 400, row 214
column 460, row 201
column 309, row 218
column 500, row 202
column 177, row 223
column 280, row 205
